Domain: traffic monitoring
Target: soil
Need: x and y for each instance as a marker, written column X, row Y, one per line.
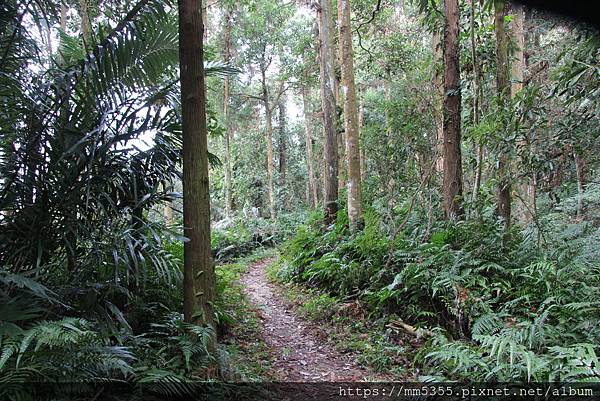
column 301, row 349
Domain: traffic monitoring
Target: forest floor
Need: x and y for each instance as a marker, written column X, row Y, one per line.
column 300, row 350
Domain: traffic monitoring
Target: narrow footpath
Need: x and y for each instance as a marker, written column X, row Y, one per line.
column 301, row 349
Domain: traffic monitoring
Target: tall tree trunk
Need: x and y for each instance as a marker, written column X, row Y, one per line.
column 363, row 155
column 86, row 27
column 205, row 19
column 228, row 123
column 580, row 169
column 63, row 28
column 387, row 96
column 476, row 104
column 518, row 63
column 312, row 184
column 167, row 206
column 327, row 63
column 49, row 42
column 452, row 183
column 339, row 109
column 269, row 135
column 168, row 213
column 342, row 162
column 270, row 167
column 63, row 17
column 199, row 274
column 503, row 88
column 438, row 83
column 66, row 140
column 282, row 143
column 350, row 116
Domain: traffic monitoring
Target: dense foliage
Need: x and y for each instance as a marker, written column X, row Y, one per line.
column 490, row 308
column 91, row 232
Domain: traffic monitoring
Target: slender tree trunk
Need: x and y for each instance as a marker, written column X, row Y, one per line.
column 229, row 207
column 168, row 213
column 580, row 169
column 63, row 17
column 476, row 104
column 532, row 194
column 205, row 20
column 438, row 82
column 269, row 134
column 86, row 28
column 229, row 130
column 350, row 116
column 312, row 184
column 167, row 207
column 327, row 64
column 63, row 27
column 282, row 143
column 363, row 155
column 503, row 88
column 71, row 242
column 342, row 161
column 452, row 183
column 270, row 167
column 339, row 100
column 49, row 42
column 518, row 62
column 387, row 96
column 199, row 274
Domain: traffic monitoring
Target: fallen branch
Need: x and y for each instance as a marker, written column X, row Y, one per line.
column 407, row 328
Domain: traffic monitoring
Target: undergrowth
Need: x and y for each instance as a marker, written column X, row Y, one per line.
column 369, row 341
column 144, row 342
column 238, row 236
column 496, row 306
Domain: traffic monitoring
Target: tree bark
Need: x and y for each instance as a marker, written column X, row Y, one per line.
column 63, row 28
column 452, row 181
column 269, row 135
column 476, row 104
column 518, row 82
column 229, row 130
column 518, row 61
column 86, row 28
column 312, row 184
column 354, row 204
column 282, row 143
column 327, row 76
column 339, row 109
column 363, row 155
column 199, row 274
column 205, row 20
column 503, row 88
column 438, row 83
column 167, row 207
column 580, row 169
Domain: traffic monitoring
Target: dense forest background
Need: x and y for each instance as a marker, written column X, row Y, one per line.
column 425, row 173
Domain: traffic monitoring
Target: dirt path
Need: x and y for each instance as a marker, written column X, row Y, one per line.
column 300, row 347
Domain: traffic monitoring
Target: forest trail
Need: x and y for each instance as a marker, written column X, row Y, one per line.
column 300, row 347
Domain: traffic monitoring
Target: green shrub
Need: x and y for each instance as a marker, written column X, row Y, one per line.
column 501, row 307
column 320, row 307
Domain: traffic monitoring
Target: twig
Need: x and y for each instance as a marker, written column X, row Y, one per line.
column 357, row 30
column 408, row 212
column 535, row 217
column 407, row 328
column 247, row 95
